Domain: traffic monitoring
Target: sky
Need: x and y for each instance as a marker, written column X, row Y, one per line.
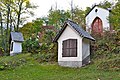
column 45, row 5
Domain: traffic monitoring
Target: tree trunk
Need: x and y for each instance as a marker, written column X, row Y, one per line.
column 1, row 24
column 72, row 9
column 11, row 27
column 19, row 13
column 7, row 31
column 2, row 42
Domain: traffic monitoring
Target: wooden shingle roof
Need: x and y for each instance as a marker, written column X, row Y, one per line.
column 77, row 28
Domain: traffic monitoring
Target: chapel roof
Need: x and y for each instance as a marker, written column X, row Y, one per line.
column 94, row 7
column 77, row 28
column 16, row 36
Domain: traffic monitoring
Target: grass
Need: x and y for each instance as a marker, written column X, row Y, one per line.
column 33, row 70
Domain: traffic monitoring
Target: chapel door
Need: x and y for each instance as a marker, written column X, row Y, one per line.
column 97, row 26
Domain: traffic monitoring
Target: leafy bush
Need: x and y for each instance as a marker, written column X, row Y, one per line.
column 106, row 49
column 31, row 45
column 107, row 44
column 112, row 64
column 11, row 62
column 42, row 57
column 1, row 51
column 2, row 67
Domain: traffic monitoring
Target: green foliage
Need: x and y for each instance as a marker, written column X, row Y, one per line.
column 79, row 16
column 10, row 15
column 31, row 28
column 114, row 13
column 37, row 24
column 38, row 44
column 31, row 45
column 57, row 17
column 51, row 71
column 107, row 50
column 115, row 16
column 27, row 30
column 87, row 9
column 44, row 57
column 105, row 4
column 1, row 51
column 2, row 67
column 105, row 45
column 112, row 64
column 13, row 61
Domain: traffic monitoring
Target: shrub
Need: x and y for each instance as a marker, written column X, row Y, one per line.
column 106, row 49
column 11, row 62
column 113, row 64
column 42, row 57
column 106, row 44
column 2, row 67
column 1, row 51
column 31, row 45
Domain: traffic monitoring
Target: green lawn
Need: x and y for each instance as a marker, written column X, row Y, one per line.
column 46, row 71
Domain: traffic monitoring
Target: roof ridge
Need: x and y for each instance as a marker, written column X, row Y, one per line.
column 81, row 31
column 72, row 21
column 96, row 5
column 77, row 28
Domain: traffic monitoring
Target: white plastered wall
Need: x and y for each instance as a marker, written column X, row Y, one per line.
column 17, row 47
column 85, row 48
column 103, row 14
column 70, row 33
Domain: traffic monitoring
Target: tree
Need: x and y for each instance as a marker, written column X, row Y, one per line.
column 27, row 30
column 114, row 12
column 57, row 17
column 37, row 24
column 5, row 10
column 115, row 16
column 1, row 28
column 79, row 16
column 31, row 28
column 22, row 7
column 105, row 4
column 12, row 11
